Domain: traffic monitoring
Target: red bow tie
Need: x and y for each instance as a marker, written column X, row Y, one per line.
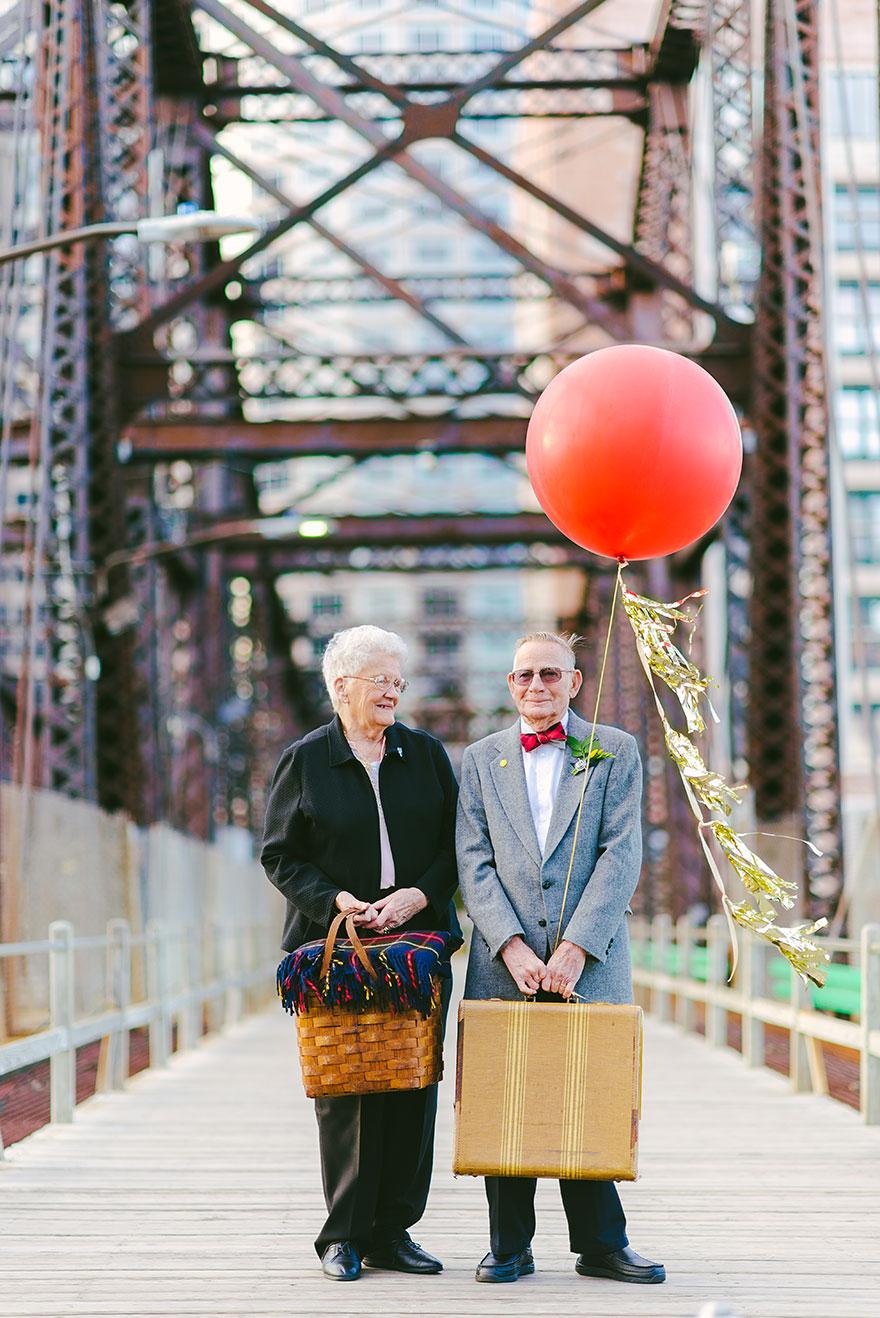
column 531, row 740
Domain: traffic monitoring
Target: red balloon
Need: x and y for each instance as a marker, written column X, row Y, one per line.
column 634, row 452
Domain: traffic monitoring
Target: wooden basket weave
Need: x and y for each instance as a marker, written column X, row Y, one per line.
column 374, row 1052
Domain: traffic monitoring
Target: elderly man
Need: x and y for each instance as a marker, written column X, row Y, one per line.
column 516, row 824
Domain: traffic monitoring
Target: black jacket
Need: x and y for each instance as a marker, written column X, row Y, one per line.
column 321, row 833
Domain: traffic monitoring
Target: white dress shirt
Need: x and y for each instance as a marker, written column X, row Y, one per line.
column 543, row 770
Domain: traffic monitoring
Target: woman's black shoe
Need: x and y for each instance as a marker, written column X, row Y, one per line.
column 341, row 1261
column 509, row 1267
column 402, row 1255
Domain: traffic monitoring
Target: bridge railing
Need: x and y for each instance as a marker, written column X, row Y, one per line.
column 170, row 980
column 677, row 966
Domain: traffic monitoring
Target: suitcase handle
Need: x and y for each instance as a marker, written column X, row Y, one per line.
column 355, row 942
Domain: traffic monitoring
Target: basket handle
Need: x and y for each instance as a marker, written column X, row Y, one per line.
column 355, row 942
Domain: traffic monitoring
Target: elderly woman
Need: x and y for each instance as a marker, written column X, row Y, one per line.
column 361, row 818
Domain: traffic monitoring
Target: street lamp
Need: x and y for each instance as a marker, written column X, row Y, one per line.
column 189, row 227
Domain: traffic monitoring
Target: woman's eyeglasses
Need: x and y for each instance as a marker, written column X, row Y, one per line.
column 381, row 682
column 549, row 676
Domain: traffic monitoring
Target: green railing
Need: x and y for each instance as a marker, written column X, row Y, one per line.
column 691, row 965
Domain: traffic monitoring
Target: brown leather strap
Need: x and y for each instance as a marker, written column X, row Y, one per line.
column 356, row 943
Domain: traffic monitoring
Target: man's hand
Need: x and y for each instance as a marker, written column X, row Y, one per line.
column 523, row 964
column 564, row 969
column 363, row 912
column 394, row 910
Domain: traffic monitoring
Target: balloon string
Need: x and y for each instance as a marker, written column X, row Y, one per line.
column 588, row 771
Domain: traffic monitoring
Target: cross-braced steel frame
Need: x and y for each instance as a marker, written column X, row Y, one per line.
column 137, row 360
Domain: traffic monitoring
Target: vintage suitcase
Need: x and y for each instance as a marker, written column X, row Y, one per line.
column 548, row 1089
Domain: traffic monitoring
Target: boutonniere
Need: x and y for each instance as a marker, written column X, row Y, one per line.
column 585, row 754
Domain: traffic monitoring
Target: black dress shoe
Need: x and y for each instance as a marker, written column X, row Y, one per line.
column 621, row 1265
column 507, row 1267
column 341, row 1261
column 402, row 1254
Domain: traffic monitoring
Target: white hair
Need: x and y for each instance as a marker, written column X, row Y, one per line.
column 351, row 650
column 567, row 640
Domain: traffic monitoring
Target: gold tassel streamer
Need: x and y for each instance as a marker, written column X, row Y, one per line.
column 795, row 943
column 754, row 874
column 709, row 787
column 654, row 624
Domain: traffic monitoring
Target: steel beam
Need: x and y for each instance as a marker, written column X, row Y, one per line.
column 275, row 440
column 426, row 121
column 267, row 532
column 317, row 556
column 793, row 708
column 393, row 287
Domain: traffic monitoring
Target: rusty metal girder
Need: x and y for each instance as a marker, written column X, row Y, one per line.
column 285, row 374
column 555, row 82
column 793, row 710
column 394, row 287
column 267, row 533
column 162, row 441
column 421, row 121
column 284, row 291
column 317, row 556
column 566, row 67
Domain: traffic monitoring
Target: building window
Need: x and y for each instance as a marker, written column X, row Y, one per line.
column 430, row 208
column 857, row 422
column 863, row 510
column 850, row 104
column 429, row 38
column 869, row 609
column 498, row 600
column 319, row 645
column 372, row 208
column 489, row 38
column 326, row 606
column 432, row 253
column 856, row 217
column 849, row 316
column 858, row 718
column 440, row 603
column 369, row 43
column 442, row 644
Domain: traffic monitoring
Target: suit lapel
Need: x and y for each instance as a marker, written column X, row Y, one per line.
column 571, row 785
column 510, row 783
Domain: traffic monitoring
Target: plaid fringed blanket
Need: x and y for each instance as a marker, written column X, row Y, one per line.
column 409, row 968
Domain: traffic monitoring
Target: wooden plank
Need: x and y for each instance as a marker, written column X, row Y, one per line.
column 197, row 1192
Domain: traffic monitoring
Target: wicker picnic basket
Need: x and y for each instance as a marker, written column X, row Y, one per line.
column 353, row 1046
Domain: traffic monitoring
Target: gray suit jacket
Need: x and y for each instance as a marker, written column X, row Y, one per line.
column 510, row 888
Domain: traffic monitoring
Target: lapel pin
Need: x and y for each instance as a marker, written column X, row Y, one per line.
column 504, row 764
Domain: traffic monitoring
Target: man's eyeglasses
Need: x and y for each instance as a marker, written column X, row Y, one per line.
column 549, row 676
column 381, row 682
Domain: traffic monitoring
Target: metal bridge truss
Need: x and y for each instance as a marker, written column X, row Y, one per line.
column 151, row 639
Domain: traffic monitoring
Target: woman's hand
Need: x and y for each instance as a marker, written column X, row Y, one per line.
column 395, row 909
column 363, row 912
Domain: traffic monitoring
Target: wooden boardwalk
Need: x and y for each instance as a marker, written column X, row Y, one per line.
column 197, row 1192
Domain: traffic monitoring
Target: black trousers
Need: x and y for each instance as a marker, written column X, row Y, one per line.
column 377, row 1155
column 596, row 1221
